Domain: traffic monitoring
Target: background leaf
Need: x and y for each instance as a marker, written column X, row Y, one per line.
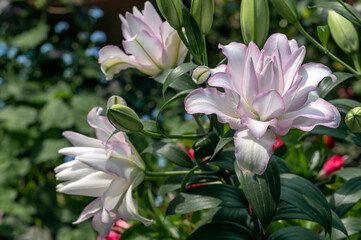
column 295, row 233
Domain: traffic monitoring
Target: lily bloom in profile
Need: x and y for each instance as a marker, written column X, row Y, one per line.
column 108, row 168
column 150, row 45
column 266, row 92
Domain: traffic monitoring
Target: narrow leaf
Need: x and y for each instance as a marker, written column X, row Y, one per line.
column 222, row 230
column 262, row 191
column 223, row 141
column 170, row 152
column 184, row 82
column 193, row 33
column 207, row 196
column 348, row 173
column 225, row 160
column 176, row 73
column 346, row 196
column 302, row 194
column 353, row 226
column 294, row 233
column 345, row 105
column 323, row 34
column 326, row 86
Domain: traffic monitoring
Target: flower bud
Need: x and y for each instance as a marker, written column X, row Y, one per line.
column 205, row 146
column 287, row 9
column 202, row 11
column 353, row 119
column 172, row 12
column 201, row 74
column 343, row 32
column 255, row 21
column 121, row 116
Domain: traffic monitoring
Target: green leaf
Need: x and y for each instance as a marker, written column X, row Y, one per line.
column 49, row 150
column 262, row 191
column 150, row 125
column 17, row 118
column 323, row 34
column 176, row 73
column 31, row 38
column 344, row 10
column 193, row 33
column 345, row 105
column 222, row 230
column 353, row 226
column 348, row 173
column 294, row 233
column 287, row 211
column 223, row 141
column 346, row 196
column 207, row 196
column 327, row 85
column 302, row 194
column 50, row 116
column 184, row 82
column 225, row 160
column 282, row 165
column 236, row 215
column 342, row 132
column 171, row 153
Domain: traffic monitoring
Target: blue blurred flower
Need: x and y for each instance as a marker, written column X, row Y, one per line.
column 23, row 60
column 68, row 72
column 161, row 162
column 98, row 36
column 158, row 200
column 92, row 52
column 67, row 59
column 1, row 80
column 61, row 26
column 2, row 104
column 46, row 47
column 96, row 12
column 12, row 52
column 145, row 117
column 3, row 48
column 188, row 117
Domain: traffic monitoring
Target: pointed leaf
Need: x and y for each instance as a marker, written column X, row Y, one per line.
column 323, row 34
column 345, row 105
column 223, row 141
column 346, row 196
column 176, row 73
column 222, row 230
column 207, row 196
column 348, row 173
column 327, row 84
column 184, row 82
column 353, row 226
column 225, row 160
column 262, row 191
column 194, row 35
column 302, row 194
column 295, row 233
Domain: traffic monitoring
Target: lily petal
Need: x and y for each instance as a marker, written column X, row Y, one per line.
column 82, row 141
column 280, row 42
column 90, row 210
column 253, row 154
column 268, row 105
column 209, row 101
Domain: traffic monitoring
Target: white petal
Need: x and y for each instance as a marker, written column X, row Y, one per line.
column 94, row 159
column 90, row 210
column 252, row 154
column 280, row 42
column 102, row 126
column 114, row 193
column 75, row 151
column 75, row 172
column 209, row 101
column 292, row 66
column 249, row 81
column 80, row 140
column 152, row 19
column 171, row 52
column 122, row 167
column 268, row 105
column 103, row 228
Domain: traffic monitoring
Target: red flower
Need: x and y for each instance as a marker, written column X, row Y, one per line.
column 333, row 164
column 330, row 141
column 278, row 144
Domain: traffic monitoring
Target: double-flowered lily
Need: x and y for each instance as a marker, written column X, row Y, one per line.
column 150, row 45
column 266, row 93
column 108, row 168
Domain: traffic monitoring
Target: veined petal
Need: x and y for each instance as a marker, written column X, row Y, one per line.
column 236, row 55
column 136, row 25
column 209, row 101
column 80, row 140
column 122, row 167
column 90, row 210
column 75, row 172
column 102, row 126
column 293, row 45
column 313, row 73
column 249, row 81
column 253, row 52
column 75, row 151
column 114, row 193
column 128, row 209
column 125, row 27
column 315, row 113
column 103, row 228
column 170, row 54
column 253, row 154
column 280, row 42
column 259, row 128
column 93, row 185
column 152, row 19
column 268, row 105
column 146, row 49
column 94, row 159
column 223, row 80
column 291, row 67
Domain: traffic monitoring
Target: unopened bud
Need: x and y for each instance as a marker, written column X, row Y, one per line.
column 287, row 9
column 202, row 11
column 353, row 119
column 122, row 117
column 343, row 32
column 201, row 74
column 255, row 21
column 172, row 12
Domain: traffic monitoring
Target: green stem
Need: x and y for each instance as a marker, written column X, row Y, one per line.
column 177, row 173
column 185, row 41
column 158, row 135
column 157, row 217
column 187, row 177
column 327, row 52
column 196, row 117
column 356, row 61
column 205, row 57
column 348, row 10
